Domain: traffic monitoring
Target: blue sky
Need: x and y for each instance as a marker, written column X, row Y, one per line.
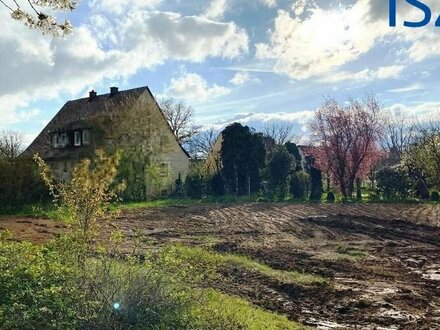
column 256, row 61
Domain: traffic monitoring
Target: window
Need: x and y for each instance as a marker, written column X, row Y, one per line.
column 86, row 136
column 77, row 139
column 55, row 141
column 63, row 140
column 164, row 169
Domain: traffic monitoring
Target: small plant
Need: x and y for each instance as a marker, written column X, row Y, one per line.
column 331, row 197
column 435, row 196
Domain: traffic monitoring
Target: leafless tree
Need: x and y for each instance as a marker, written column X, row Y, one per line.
column 33, row 16
column 200, row 145
column 397, row 131
column 11, row 145
column 180, row 118
column 280, row 133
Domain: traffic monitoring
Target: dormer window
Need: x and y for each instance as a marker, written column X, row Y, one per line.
column 63, row 140
column 55, row 141
column 85, row 137
column 77, row 139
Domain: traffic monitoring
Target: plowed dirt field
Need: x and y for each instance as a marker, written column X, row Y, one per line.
column 381, row 262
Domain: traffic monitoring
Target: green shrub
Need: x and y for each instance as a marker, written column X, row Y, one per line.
column 300, row 184
column 194, row 186
column 316, row 184
column 435, row 196
column 331, row 197
column 20, row 185
column 392, row 183
column 422, row 190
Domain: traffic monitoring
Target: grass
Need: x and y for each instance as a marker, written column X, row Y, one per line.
column 244, row 262
column 344, row 249
column 291, row 277
column 249, row 316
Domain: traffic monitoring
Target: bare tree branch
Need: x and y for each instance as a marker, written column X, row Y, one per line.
column 280, row 133
column 201, row 144
column 180, row 118
column 397, row 131
column 11, row 145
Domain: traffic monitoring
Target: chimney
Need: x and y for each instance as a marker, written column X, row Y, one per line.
column 113, row 91
column 92, row 95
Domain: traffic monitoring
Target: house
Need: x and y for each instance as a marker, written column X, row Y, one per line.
column 130, row 121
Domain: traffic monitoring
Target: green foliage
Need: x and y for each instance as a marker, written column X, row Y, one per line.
column 359, row 194
column 331, row 197
column 20, row 184
column 243, row 155
column 194, row 186
column 421, row 189
column 280, row 166
column 216, row 184
column 392, row 183
column 316, row 184
column 423, row 155
column 37, row 288
column 435, row 196
column 293, row 149
column 300, row 184
column 240, row 314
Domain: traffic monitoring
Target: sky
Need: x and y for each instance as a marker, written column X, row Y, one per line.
column 253, row 61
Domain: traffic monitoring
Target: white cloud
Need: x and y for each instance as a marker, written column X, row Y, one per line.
column 311, row 40
column 410, row 88
column 121, row 6
column 216, row 9
column 243, row 77
column 421, row 113
column 269, row 3
column 381, row 73
column 35, row 67
column 192, row 86
column 320, row 43
column 258, row 120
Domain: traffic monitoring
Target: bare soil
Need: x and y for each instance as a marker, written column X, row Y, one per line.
column 382, row 262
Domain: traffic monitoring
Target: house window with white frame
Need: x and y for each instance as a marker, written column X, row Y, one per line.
column 56, row 141
column 63, row 140
column 85, row 137
column 77, row 138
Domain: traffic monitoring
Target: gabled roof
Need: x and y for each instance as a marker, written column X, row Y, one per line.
column 78, row 114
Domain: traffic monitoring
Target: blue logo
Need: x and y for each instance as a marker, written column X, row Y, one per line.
column 417, row 4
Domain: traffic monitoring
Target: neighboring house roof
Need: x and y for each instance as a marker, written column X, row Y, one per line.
column 81, row 114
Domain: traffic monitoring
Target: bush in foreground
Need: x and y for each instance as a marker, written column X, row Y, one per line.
column 435, row 196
